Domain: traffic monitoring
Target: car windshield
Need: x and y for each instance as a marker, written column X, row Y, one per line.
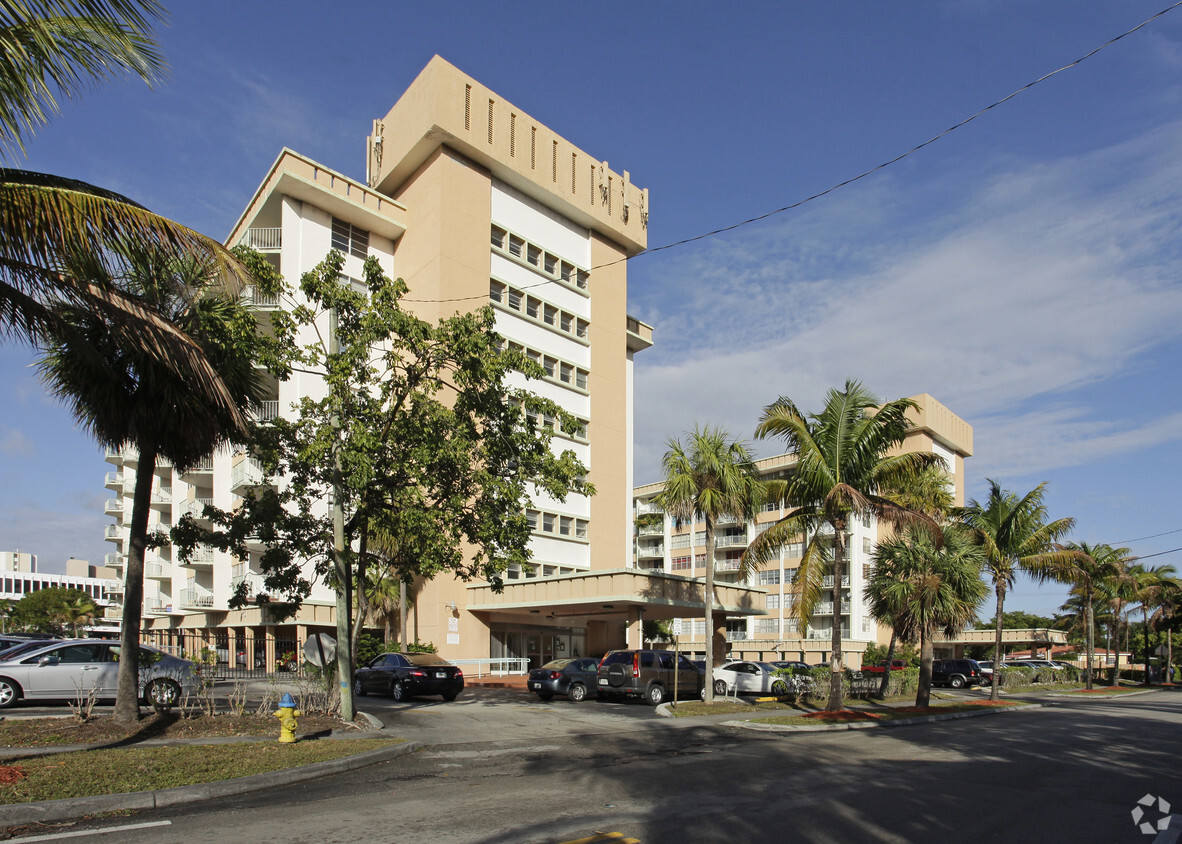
column 617, row 658
column 22, row 648
column 558, row 664
column 426, row 659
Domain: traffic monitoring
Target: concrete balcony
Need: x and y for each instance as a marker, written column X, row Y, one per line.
column 244, row 474
column 826, row 608
column 114, row 561
column 263, row 239
column 113, row 587
column 195, row 507
column 739, row 541
column 827, row 581
column 158, row 571
column 202, row 556
column 196, row 597
column 650, row 551
column 204, row 466
column 265, row 411
column 115, row 533
column 114, row 507
column 650, row 530
column 114, row 481
column 645, row 507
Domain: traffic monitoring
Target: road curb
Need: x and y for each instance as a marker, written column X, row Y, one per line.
column 1103, row 695
column 76, row 807
column 872, row 725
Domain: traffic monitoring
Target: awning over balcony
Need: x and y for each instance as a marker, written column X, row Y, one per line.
column 614, row 594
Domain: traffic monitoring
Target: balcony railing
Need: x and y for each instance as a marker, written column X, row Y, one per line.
column 114, row 479
column 827, row 634
column 114, row 561
column 204, row 465
column 158, row 570
column 195, row 507
column 726, row 565
column 113, row 507
column 736, row 635
column 645, row 507
column 650, row 550
column 245, row 473
column 651, row 530
column 202, row 556
column 113, row 586
column 115, row 533
column 827, row 581
column 263, row 238
column 254, row 583
column 739, row 541
column 826, row 608
column 196, row 598
column 152, row 605
column 265, row 411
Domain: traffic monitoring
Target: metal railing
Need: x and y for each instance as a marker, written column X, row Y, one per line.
column 497, row 667
column 265, row 411
column 195, row 507
column 730, row 541
column 246, row 472
column 263, row 238
column 196, row 598
column 827, row 581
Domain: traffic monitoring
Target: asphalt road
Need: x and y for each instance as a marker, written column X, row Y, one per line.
column 504, row 767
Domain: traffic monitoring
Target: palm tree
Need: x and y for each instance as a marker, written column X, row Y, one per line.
column 844, row 467
column 1165, row 615
column 1088, row 565
column 77, row 611
column 49, row 51
column 1115, row 590
column 714, row 476
column 929, row 492
column 1149, row 584
column 1016, row 536
column 926, row 587
column 126, row 397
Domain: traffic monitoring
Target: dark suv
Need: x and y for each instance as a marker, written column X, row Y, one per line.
column 956, row 673
column 647, row 674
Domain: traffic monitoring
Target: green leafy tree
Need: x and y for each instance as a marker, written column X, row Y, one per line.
column 1016, row 536
column 927, row 587
column 53, row 611
column 1150, row 585
column 128, row 399
column 712, row 475
column 845, row 467
column 417, row 437
column 50, row 51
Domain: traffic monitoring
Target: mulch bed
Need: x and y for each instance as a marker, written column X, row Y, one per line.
column 34, row 732
column 841, row 715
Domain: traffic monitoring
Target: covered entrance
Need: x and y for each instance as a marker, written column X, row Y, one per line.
column 537, row 644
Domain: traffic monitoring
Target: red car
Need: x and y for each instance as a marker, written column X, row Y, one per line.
column 896, row 665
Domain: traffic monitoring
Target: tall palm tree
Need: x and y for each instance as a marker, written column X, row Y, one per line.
column 714, row 476
column 128, row 398
column 1087, row 566
column 1165, row 615
column 1016, row 536
column 844, row 467
column 927, row 587
column 51, row 50
column 1115, row 591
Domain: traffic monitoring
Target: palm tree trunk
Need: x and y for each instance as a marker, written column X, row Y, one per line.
column 1145, row 630
column 708, row 611
column 886, row 674
column 1090, row 643
column 836, row 699
column 998, row 667
column 127, row 704
column 402, row 615
column 923, row 695
column 1168, row 676
column 1116, row 663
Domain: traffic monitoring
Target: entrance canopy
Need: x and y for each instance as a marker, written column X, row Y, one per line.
column 614, row 594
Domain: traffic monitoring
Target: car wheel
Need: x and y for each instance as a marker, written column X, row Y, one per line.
column 398, row 691
column 956, row 682
column 162, row 695
column 577, row 693
column 450, row 696
column 546, row 695
column 358, row 688
column 779, row 688
column 655, row 695
column 10, row 692
column 720, row 687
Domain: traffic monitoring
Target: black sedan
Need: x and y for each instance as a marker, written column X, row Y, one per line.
column 570, row 677
column 408, row 675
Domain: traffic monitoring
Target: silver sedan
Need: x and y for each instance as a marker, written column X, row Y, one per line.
column 745, row 677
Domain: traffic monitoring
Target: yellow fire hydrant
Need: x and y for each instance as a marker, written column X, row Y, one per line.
column 287, row 715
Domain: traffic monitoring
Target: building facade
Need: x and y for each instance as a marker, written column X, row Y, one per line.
column 662, row 545
column 472, row 202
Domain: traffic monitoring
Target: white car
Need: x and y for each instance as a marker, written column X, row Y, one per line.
column 746, row 677
column 71, row 668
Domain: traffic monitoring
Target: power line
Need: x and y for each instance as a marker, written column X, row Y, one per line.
column 1158, row 554
column 860, row 176
column 1154, row 536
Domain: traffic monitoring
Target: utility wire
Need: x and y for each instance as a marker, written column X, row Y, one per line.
column 1154, row 536
column 860, row 176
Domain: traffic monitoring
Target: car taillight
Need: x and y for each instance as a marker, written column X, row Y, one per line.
column 417, row 673
column 636, row 664
column 459, row 673
column 554, row 675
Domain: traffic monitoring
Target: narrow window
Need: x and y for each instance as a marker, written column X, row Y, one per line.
column 497, row 237
column 467, row 106
column 554, row 164
column 574, row 167
column 490, row 121
column 533, row 147
column 581, row 379
column 548, row 522
column 516, row 244
column 512, row 134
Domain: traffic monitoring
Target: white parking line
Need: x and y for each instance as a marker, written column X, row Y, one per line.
column 57, row 836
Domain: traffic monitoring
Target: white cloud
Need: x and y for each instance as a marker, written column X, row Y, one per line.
column 14, row 443
column 1039, row 281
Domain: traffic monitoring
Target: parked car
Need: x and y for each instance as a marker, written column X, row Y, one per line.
column 67, row 668
column 402, row 676
column 746, row 677
column 651, row 675
column 571, row 677
column 802, row 674
column 880, row 667
column 986, row 667
column 956, row 673
column 11, row 651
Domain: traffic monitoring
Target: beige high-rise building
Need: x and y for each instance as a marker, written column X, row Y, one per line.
column 472, row 201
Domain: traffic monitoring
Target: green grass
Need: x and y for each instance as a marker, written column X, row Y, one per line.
column 113, row 771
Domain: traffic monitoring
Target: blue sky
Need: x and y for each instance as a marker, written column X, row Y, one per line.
column 1023, row 270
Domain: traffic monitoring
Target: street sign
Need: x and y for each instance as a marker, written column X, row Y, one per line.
column 677, row 627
